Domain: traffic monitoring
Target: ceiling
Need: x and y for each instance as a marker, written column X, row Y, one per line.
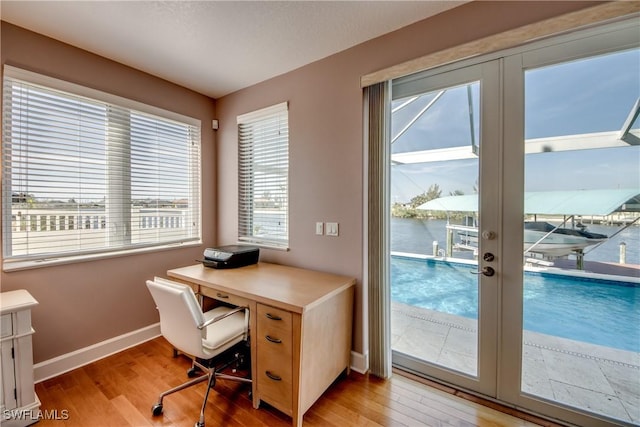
column 217, row 47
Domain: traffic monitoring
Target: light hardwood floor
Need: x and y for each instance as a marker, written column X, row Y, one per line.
column 121, row 389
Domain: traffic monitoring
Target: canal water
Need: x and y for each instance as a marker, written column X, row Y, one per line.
column 417, row 236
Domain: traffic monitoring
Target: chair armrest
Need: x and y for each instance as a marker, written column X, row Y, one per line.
column 222, row 316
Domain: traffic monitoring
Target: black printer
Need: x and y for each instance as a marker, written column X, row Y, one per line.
column 230, row 256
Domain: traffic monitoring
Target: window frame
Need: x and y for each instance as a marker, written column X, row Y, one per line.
column 272, row 119
column 135, row 109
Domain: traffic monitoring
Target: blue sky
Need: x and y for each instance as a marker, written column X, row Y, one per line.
column 592, row 95
column 584, row 96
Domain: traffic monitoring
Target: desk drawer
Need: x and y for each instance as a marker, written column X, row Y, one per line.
column 274, row 365
column 224, row 296
column 274, row 321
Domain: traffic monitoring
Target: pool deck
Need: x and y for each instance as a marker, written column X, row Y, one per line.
column 600, row 379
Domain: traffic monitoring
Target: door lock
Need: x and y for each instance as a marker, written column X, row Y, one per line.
column 488, row 235
column 487, row 271
column 488, row 256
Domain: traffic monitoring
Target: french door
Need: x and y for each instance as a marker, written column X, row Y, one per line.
column 440, row 125
column 472, row 144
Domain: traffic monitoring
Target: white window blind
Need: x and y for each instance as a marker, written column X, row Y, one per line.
column 82, row 175
column 263, row 167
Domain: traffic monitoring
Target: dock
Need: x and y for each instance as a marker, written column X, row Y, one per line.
column 598, row 267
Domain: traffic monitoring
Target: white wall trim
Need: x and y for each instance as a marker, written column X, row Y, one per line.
column 67, row 362
column 360, row 362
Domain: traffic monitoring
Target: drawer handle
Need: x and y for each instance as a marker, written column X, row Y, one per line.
column 219, row 295
column 274, row 340
column 272, row 376
column 273, row 316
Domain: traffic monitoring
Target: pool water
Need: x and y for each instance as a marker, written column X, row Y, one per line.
column 596, row 311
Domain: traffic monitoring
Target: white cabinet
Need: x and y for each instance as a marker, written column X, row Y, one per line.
column 19, row 405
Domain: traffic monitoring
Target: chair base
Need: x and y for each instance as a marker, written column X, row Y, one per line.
column 212, row 370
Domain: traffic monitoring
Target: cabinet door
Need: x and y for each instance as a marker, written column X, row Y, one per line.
column 7, row 377
column 6, row 325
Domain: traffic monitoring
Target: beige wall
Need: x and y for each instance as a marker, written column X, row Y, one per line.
column 326, row 138
column 85, row 303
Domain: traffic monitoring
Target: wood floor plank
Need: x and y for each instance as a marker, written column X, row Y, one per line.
column 54, row 401
column 440, row 404
column 376, row 408
column 410, row 408
column 121, row 389
column 339, row 414
column 130, row 412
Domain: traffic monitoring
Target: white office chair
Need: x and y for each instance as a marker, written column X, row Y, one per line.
column 203, row 336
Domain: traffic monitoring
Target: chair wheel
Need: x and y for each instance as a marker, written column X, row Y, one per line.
column 192, row 373
column 157, row 409
column 198, row 424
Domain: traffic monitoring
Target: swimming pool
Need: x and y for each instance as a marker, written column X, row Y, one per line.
column 596, row 311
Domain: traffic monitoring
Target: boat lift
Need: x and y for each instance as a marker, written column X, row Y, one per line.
column 569, row 204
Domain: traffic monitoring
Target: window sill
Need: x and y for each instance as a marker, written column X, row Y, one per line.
column 9, row 266
column 264, row 245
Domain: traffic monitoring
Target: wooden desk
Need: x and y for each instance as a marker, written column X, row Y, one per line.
column 300, row 327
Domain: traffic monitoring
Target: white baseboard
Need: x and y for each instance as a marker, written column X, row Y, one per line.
column 67, row 362
column 70, row 361
column 359, row 362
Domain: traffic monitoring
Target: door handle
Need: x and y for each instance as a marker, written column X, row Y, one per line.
column 487, row 271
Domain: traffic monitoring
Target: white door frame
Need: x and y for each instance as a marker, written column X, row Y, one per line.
column 502, row 189
column 596, row 41
column 488, row 73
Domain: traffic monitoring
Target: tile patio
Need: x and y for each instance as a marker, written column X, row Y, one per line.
column 600, row 379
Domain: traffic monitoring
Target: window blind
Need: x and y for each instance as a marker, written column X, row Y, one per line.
column 83, row 176
column 377, row 134
column 263, row 168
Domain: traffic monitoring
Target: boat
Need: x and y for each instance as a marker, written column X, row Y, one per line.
column 540, row 237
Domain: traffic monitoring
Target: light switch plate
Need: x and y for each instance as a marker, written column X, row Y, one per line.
column 319, row 228
column 332, row 229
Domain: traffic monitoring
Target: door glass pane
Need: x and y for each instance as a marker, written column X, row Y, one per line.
column 434, row 308
column 581, row 338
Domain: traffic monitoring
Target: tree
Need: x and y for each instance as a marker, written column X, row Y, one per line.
column 410, row 210
column 432, row 193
